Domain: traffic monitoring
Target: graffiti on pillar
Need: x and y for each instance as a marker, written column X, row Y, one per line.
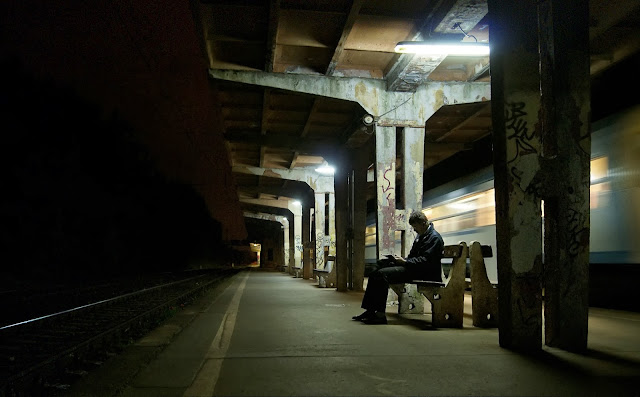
column 298, row 243
column 578, row 233
column 388, row 226
column 319, row 248
column 386, row 190
column 400, row 218
column 517, row 129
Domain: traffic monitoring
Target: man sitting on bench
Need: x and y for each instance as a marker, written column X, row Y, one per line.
column 422, row 263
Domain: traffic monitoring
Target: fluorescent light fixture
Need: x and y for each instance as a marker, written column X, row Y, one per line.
column 442, row 48
column 296, row 202
column 326, row 170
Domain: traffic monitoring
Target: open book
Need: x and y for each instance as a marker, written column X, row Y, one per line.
column 388, row 257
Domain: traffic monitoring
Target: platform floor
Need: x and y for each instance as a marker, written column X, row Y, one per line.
column 267, row 334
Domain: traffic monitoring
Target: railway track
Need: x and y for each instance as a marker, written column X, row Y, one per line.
column 34, row 352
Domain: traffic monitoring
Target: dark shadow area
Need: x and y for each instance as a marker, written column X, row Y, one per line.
column 604, row 356
column 83, row 199
column 551, row 360
column 422, row 324
column 614, row 286
column 607, row 89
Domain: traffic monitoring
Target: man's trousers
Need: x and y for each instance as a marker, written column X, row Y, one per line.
column 375, row 297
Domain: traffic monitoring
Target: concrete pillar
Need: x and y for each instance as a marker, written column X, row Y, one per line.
column 564, row 33
column 319, row 230
column 285, row 239
column 331, row 217
column 385, row 189
column 359, row 212
column 413, row 166
column 307, row 266
column 341, row 202
column 292, row 245
column 515, row 93
column 299, row 244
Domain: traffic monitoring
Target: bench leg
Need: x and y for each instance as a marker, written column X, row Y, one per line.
column 447, row 309
column 447, row 312
column 410, row 301
column 484, row 306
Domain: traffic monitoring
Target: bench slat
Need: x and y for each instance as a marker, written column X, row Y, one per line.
column 426, row 283
column 451, row 251
column 487, row 251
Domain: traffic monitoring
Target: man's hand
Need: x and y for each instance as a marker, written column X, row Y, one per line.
column 399, row 260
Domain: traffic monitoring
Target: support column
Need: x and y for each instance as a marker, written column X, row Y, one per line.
column 331, row 216
column 330, row 240
column 359, row 211
column 515, row 92
column 285, row 239
column 319, row 230
column 385, row 190
column 341, row 225
column 413, row 164
column 307, row 266
column 564, row 28
column 299, row 244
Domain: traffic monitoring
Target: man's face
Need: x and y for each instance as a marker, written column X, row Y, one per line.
column 420, row 227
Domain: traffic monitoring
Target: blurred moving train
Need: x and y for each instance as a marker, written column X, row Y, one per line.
column 464, row 209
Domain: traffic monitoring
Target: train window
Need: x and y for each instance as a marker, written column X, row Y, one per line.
column 598, row 193
column 370, row 235
column 467, row 212
column 599, row 169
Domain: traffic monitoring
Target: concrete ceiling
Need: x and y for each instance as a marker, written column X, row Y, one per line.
column 272, row 128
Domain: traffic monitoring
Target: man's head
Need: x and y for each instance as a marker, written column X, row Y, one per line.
column 419, row 222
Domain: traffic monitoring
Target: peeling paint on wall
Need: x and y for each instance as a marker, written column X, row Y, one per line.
column 440, row 100
column 368, row 99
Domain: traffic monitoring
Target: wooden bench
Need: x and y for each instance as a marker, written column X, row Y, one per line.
column 327, row 275
column 447, row 297
column 484, row 294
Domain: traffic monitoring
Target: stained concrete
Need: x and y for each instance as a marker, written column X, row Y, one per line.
column 269, row 334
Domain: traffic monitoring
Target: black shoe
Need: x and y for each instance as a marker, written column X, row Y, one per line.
column 364, row 316
column 375, row 320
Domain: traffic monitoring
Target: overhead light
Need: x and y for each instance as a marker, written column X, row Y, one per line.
column 442, row 48
column 296, row 202
column 326, row 170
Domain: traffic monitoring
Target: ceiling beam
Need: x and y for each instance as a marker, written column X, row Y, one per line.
column 464, row 122
column 410, row 71
column 622, row 51
column 272, row 34
column 263, row 151
column 285, row 186
column 307, row 124
column 294, row 159
column 435, row 147
column 346, row 31
column 263, row 208
column 258, row 191
column 266, row 111
column 304, row 146
column 280, row 192
column 479, row 73
column 305, row 130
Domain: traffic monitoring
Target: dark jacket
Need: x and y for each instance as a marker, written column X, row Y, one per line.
column 423, row 261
